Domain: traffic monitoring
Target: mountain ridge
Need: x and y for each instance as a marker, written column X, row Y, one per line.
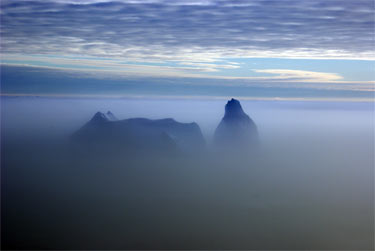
column 139, row 133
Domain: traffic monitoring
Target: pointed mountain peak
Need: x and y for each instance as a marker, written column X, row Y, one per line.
column 236, row 129
column 233, row 109
column 99, row 117
column 110, row 116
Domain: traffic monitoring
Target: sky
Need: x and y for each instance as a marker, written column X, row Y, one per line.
column 260, row 49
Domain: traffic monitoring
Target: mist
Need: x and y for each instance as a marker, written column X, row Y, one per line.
column 309, row 185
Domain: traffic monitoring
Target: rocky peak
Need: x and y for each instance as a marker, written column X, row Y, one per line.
column 233, row 109
column 236, row 128
column 99, row 117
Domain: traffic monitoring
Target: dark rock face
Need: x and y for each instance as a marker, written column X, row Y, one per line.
column 138, row 135
column 236, row 128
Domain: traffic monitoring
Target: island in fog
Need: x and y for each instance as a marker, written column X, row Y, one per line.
column 107, row 134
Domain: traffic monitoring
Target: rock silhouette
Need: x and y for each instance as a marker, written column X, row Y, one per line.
column 105, row 133
column 236, row 129
column 137, row 135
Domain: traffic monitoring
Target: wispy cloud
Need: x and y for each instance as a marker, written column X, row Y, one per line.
column 198, row 42
column 180, row 76
column 190, row 31
column 298, row 75
column 116, row 68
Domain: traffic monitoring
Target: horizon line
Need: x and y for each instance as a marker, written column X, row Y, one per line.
column 186, row 97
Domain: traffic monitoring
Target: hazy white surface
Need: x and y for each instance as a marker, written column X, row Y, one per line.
column 312, row 188
column 68, row 114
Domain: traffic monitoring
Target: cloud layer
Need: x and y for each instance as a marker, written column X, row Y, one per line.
column 194, row 42
column 190, row 31
column 119, row 69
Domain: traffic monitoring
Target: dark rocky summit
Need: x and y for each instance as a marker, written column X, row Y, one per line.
column 138, row 135
column 236, row 129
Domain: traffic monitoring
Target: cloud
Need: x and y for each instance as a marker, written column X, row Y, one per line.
column 298, row 75
column 189, row 31
column 50, row 80
column 117, row 68
column 182, row 75
column 120, row 68
column 191, row 42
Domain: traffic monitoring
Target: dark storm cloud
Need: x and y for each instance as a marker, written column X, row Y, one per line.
column 189, row 31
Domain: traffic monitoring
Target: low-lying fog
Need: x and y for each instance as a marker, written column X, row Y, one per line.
column 309, row 186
